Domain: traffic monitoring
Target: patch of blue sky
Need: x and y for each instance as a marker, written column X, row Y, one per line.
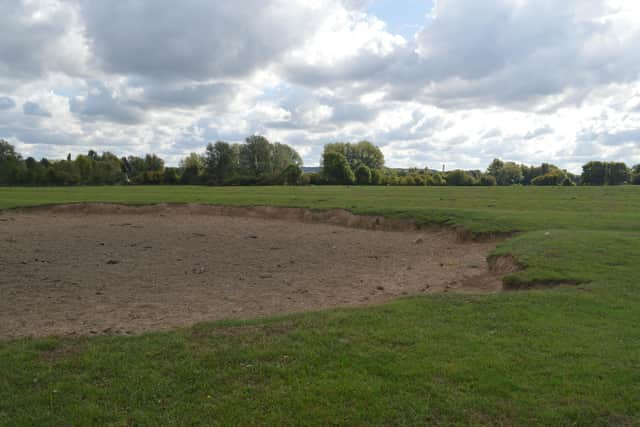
column 404, row 17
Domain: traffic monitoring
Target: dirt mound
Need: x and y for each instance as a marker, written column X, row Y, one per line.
column 103, row 268
column 339, row 217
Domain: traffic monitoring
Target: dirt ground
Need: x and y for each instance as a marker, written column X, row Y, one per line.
column 118, row 270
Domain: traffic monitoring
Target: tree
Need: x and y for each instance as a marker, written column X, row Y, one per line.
column 10, row 164
column 487, row 181
column 459, row 178
column 508, row 173
column 170, row 176
column 191, row 167
column 292, row 175
column 377, row 178
column 617, row 173
column 153, row 163
column 635, row 175
column 511, row 174
column 336, row 169
column 363, row 174
column 594, row 173
column 284, row 156
column 256, row 158
column 368, row 154
column 363, row 152
column 555, row 177
column 495, row 168
column 221, row 162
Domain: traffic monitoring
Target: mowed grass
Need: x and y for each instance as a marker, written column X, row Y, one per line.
column 567, row 355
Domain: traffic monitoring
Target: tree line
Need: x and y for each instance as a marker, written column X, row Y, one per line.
column 258, row 161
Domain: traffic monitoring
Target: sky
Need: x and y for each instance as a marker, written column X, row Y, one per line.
column 432, row 82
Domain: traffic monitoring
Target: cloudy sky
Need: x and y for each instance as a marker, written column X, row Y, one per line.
column 455, row 82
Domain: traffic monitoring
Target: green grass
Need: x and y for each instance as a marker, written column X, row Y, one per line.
column 569, row 355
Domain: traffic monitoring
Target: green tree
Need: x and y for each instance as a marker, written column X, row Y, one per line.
column 594, row 173
column 459, row 178
column 221, row 162
column 377, row 178
column 256, row 158
column 555, row 177
column 191, row 168
column 487, row 181
column 11, row 164
column 508, row 173
column 292, row 175
column 495, row 168
column 153, row 163
column 364, row 152
column 336, row 168
column 284, row 156
column 635, row 175
column 617, row 173
column 363, row 174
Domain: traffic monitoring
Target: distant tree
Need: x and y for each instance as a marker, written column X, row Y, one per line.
column 511, row 174
column 419, row 179
column 292, row 175
column 508, row 173
column 317, row 179
column 284, row 156
column 363, row 152
column 459, row 178
column 363, row 174
column 153, row 163
column 336, row 168
column 635, row 175
column 10, row 164
column 495, row 168
column 221, row 162
column 170, row 176
column 487, row 181
column 377, row 177
column 436, row 179
column 190, row 175
column 555, row 177
column 568, row 182
column 594, row 173
column 256, row 158
column 617, row 173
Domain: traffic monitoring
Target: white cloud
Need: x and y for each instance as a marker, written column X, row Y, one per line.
column 525, row 80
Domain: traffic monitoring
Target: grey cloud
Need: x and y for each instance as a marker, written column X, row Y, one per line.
column 353, row 112
column 496, row 52
column 545, row 130
column 612, row 138
column 100, row 103
column 188, row 95
column 6, row 103
column 193, row 39
column 29, row 47
column 34, row 109
column 492, row 133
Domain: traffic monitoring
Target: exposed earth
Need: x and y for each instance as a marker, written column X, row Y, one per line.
column 111, row 269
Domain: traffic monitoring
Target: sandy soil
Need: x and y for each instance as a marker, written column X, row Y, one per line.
column 95, row 270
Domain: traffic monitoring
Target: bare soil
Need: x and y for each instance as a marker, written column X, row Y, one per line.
column 111, row 269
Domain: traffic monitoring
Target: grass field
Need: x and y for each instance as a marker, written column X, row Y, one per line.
column 569, row 355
